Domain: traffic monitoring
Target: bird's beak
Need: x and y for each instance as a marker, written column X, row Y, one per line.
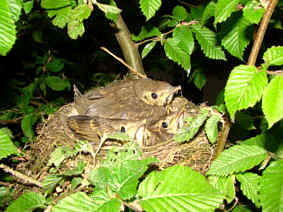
column 172, row 92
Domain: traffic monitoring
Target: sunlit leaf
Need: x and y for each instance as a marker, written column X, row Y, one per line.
column 175, row 53
column 6, row 145
column 244, row 88
column 250, row 185
column 147, row 49
column 149, row 7
column 236, row 159
column 27, row 202
column 271, row 191
column 274, row 56
column 167, row 191
column 224, row 9
column 208, row 43
column 272, row 101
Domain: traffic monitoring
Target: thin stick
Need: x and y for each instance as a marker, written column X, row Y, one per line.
column 261, row 31
column 21, row 176
column 123, row 62
column 223, row 137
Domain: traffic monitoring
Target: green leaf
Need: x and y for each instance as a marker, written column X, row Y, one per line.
column 75, row 25
column 168, row 191
column 274, row 56
column 76, row 171
column 76, row 181
column 55, row 8
column 225, row 185
column 208, row 12
column 250, row 185
column 149, row 7
column 7, row 27
column 111, row 205
column 57, row 84
column 106, row 200
column 6, row 145
column 253, row 11
column 272, row 101
column 179, row 13
column 236, row 159
column 118, row 136
column 184, row 36
column 59, row 155
column 236, row 40
column 27, row 202
column 211, row 128
column 120, row 172
column 108, row 9
column 199, row 78
column 75, row 29
column 112, row 16
column 244, row 88
column 28, row 5
column 224, row 9
column 76, row 202
column 190, row 130
column 15, row 6
column 207, row 40
column 147, row 49
column 146, row 32
column 62, row 17
column 26, row 124
column 271, row 191
column 50, row 182
column 175, row 53
column 197, row 12
column 55, row 65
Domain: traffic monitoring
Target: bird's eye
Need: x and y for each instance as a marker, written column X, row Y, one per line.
column 164, row 125
column 123, row 130
column 154, row 95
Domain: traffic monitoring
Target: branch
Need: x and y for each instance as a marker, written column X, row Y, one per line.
column 123, row 62
column 129, row 49
column 21, row 176
column 261, row 31
column 223, row 137
column 278, row 72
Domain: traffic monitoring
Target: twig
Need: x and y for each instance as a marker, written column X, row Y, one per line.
column 123, row 62
column 278, row 72
column 21, row 176
column 223, row 137
column 188, row 4
column 261, row 31
column 158, row 38
column 12, row 121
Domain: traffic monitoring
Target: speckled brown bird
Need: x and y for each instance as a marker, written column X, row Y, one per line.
column 127, row 99
column 94, row 128
column 144, row 132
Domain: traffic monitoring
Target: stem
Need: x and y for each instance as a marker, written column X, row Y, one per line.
column 121, row 61
column 129, row 49
column 261, row 31
column 21, row 176
column 223, row 137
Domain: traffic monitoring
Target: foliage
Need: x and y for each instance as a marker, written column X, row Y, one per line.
column 117, row 182
column 217, row 30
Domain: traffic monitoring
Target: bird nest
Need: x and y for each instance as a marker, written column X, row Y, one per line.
column 198, row 153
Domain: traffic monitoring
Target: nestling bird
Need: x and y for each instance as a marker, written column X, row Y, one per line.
column 95, row 128
column 127, row 99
